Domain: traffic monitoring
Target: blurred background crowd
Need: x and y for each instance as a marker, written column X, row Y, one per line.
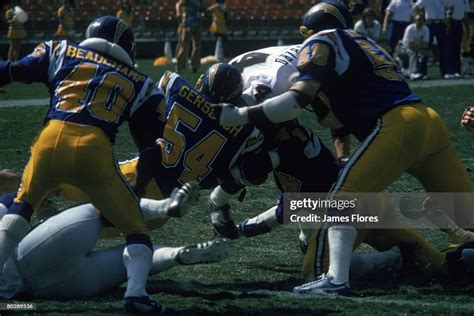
column 414, row 31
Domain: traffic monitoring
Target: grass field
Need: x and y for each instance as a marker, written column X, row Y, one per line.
column 258, row 277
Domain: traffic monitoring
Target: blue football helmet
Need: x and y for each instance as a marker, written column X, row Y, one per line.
column 114, row 30
column 222, row 83
column 329, row 14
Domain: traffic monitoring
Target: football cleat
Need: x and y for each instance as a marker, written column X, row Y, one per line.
column 143, row 305
column 323, row 286
column 222, row 221
column 206, row 252
column 182, row 198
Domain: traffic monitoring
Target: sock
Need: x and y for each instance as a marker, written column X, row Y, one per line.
column 137, row 259
column 260, row 224
column 341, row 242
column 12, row 230
column 154, row 209
column 365, row 263
column 164, row 258
column 219, row 197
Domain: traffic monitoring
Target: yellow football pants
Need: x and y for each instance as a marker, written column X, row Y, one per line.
column 410, row 138
column 81, row 156
column 129, row 171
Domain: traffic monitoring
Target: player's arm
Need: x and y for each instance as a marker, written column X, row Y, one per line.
column 29, row 69
column 146, row 124
column 316, row 62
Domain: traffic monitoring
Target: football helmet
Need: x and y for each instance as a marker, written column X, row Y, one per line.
column 222, row 83
column 115, row 31
column 329, row 14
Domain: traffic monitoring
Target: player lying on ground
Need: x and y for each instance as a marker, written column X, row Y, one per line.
column 365, row 93
column 94, row 88
column 271, row 71
column 57, row 259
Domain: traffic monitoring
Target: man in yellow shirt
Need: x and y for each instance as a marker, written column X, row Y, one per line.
column 66, row 21
column 126, row 13
column 16, row 32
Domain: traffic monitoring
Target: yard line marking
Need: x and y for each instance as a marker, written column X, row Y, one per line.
column 23, row 102
column 413, row 84
column 441, row 83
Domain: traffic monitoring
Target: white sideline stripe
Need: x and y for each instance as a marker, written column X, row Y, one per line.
column 23, row 102
column 416, row 84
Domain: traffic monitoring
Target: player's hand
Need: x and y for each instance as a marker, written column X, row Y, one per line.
column 467, row 119
column 230, row 115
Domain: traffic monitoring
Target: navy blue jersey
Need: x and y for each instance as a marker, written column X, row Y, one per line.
column 359, row 80
column 194, row 146
column 313, row 169
column 87, row 87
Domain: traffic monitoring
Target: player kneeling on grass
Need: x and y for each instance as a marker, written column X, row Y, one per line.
column 57, row 259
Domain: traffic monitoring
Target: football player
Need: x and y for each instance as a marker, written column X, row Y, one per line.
column 94, row 88
column 467, row 119
column 193, row 146
column 57, row 260
column 362, row 90
column 271, row 71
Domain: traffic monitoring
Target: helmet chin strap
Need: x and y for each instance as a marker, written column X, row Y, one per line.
column 103, row 46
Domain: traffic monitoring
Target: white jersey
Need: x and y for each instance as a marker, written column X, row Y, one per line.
column 272, row 67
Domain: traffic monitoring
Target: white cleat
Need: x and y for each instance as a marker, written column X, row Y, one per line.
column 206, row 252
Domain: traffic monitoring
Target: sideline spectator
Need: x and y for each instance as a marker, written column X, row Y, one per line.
column 466, row 50
column 368, row 25
column 66, row 21
column 191, row 14
column 126, row 13
column 397, row 17
column 434, row 11
column 456, row 13
column 16, row 31
column 219, row 27
column 415, row 46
